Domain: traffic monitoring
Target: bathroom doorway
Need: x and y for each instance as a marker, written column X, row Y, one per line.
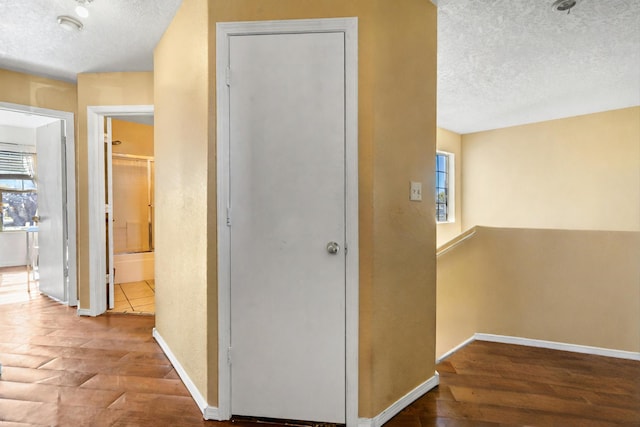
column 130, row 226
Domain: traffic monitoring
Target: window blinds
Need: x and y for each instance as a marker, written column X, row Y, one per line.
column 17, row 171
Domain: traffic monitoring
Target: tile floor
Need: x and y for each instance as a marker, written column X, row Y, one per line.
column 135, row 297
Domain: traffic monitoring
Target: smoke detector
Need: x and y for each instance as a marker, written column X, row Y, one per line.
column 563, row 5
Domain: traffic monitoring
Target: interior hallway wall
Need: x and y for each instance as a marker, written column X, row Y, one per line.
column 35, row 91
column 578, row 287
column 403, row 268
column 575, row 173
column 185, row 218
column 396, row 146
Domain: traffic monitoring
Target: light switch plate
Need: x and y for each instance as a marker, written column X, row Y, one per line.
column 416, row 191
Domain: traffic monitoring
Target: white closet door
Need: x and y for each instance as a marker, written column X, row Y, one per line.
column 287, row 198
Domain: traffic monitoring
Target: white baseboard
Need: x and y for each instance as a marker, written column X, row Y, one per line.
column 456, row 348
column 400, row 404
column 84, row 312
column 553, row 345
column 208, row 412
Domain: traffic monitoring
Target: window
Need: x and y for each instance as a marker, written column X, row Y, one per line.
column 18, row 209
column 444, row 187
column 18, row 193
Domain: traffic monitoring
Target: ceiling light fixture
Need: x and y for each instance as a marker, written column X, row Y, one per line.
column 81, row 8
column 563, row 5
column 69, row 23
column 82, row 11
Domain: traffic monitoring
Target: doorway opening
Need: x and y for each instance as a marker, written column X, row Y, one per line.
column 132, row 187
column 38, row 209
column 120, row 233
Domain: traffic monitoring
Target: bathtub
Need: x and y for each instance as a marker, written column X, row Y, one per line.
column 133, row 267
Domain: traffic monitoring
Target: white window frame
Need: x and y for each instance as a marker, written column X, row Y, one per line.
column 451, row 188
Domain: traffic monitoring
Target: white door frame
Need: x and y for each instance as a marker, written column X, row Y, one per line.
column 348, row 26
column 70, row 203
column 97, row 230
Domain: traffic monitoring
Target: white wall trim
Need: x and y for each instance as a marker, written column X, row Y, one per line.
column 554, row 345
column 456, row 348
column 84, row 312
column 348, row 26
column 451, row 186
column 208, row 412
column 400, row 404
column 97, row 232
column 70, row 190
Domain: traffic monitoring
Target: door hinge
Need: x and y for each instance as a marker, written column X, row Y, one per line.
column 228, row 217
column 227, row 76
column 346, row 249
column 107, row 278
column 229, row 356
column 66, row 271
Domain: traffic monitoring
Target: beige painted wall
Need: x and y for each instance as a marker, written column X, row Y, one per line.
column 578, row 287
column 397, row 237
column 96, row 89
column 404, row 234
column 576, row 173
column 185, row 221
column 451, row 142
column 137, row 138
column 27, row 89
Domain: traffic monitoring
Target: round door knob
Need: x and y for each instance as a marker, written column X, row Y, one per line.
column 333, row 248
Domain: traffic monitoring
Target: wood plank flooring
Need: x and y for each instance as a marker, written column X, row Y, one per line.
column 491, row 384
column 60, row 369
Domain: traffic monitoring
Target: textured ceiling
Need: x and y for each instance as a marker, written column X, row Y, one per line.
column 118, row 35
column 500, row 62
column 509, row 62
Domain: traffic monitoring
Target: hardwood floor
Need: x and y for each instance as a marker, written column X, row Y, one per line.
column 59, row 369
column 490, row 384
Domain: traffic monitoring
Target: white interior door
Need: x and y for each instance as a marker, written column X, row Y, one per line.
column 52, row 233
column 109, row 218
column 287, row 204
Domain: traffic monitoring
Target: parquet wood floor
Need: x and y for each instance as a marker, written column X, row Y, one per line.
column 60, row 369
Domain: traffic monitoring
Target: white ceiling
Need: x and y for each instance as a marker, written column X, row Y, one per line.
column 118, row 35
column 508, row 62
column 500, row 62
